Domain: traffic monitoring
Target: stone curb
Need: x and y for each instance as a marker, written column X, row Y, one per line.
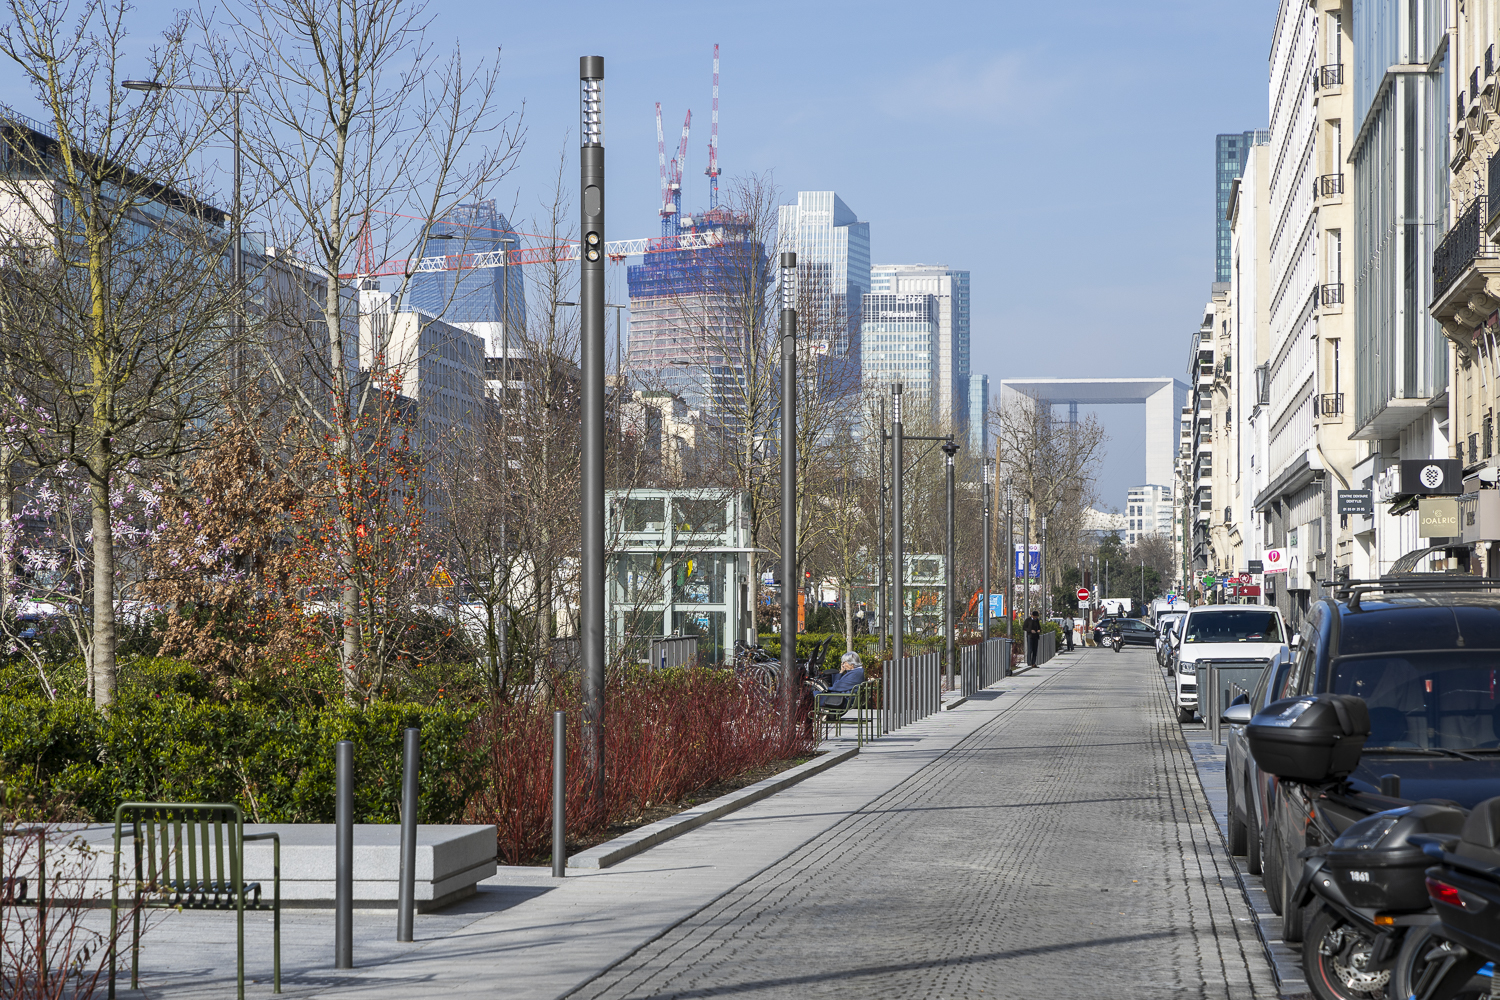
column 614, row 851
column 951, row 704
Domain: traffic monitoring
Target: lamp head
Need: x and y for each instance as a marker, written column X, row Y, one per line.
column 150, row 86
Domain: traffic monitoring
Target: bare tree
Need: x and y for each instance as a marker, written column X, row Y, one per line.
column 1050, row 464
column 354, row 122
column 116, row 306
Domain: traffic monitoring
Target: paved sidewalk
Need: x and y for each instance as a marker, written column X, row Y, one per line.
column 1047, row 838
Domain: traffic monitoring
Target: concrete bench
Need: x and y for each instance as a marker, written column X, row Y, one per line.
column 451, row 861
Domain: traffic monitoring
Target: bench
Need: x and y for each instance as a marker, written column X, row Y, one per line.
column 860, row 701
column 189, row 856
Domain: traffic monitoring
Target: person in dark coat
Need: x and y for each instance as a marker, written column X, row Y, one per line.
column 1033, row 630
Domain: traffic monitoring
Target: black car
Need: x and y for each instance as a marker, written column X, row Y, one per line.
column 1135, row 631
column 1424, row 654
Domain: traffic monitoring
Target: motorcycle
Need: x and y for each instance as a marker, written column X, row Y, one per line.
column 1458, row 958
column 1373, row 920
column 1114, row 638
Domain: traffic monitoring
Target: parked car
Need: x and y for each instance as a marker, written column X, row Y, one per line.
column 1421, row 652
column 1167, row 631
column 1232, row 632
column 1250, row 790
column 1136, row 632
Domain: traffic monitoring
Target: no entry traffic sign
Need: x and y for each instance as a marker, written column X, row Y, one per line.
column 1083, row 593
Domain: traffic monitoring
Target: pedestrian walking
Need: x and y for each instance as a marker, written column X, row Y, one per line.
column 1033, row 630
column 1068, row 632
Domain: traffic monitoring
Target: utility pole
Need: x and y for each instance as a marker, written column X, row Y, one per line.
column 504, row 451
column 949, row 449
column 591, row 310
column 790, row 592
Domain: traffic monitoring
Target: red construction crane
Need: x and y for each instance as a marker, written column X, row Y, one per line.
column 713, row 141
column 678, row 162
column 661, row 163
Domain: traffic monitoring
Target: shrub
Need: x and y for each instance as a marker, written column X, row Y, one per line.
column 161, row 744
column 668, row 734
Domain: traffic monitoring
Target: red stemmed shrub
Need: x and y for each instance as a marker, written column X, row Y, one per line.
column 667, row 734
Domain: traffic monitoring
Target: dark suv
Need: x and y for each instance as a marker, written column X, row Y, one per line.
column 1424, row 654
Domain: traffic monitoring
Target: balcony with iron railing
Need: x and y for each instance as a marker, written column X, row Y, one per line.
column 1459, row 249
column 1332, row 295
column 1325, row 77
column 1328, row 404
column 1331, row 185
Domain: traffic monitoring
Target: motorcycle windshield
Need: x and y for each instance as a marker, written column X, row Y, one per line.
column 1442, row 700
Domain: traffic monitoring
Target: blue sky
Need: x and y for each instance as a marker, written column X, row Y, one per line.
column 1063, row 154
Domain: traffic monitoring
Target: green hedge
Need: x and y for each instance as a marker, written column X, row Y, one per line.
column 159, row 743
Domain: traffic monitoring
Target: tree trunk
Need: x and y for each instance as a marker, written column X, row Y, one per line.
column 102, row 645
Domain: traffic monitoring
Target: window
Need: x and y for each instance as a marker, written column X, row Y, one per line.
column 1334, row 245
column 1440, row 699
column 1233, row 626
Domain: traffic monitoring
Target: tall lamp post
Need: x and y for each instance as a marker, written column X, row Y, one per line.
column 883, row 600
column 790, row 592
column 984, row 614
column 898, row 553
column 236, row 229
column 1010, row 560
column 949, row 449
column 591, row 321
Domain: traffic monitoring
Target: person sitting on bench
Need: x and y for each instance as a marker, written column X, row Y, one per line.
column 851, row 675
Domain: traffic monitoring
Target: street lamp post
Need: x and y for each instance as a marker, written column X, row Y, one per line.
column 989, row 473
column 1041, row 569
column 591, row 321
column 1010, row 560
column 898, row 571
column 504, row 444
column 236, row 229
column 1026, row 560
column 789, row 589
column 882, row 599
column 949, row 449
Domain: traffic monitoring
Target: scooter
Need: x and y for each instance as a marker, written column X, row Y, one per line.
column 1458, row 959
column 1373, row 920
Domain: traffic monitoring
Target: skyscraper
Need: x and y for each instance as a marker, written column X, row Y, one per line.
column 949, row 361
column 1231, row 150
column 474, row 300
column 833, row 270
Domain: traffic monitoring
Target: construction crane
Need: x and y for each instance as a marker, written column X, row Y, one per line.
column 671, row 177
column 668, row 227
column 562, row 252
column 713, row 141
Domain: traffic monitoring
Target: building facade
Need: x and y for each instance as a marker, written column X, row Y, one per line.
column 1402, row 94
column 900, row 335
column 950, row 347
column 480, row 300
column 1148, row 511
column 833, row 271
column 1231, row 150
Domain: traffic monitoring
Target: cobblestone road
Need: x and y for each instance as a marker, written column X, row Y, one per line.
column 1063, row 850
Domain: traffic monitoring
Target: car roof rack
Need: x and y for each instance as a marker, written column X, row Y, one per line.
column 1353, row 590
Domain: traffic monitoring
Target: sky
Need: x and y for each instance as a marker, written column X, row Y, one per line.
column 1062, row 154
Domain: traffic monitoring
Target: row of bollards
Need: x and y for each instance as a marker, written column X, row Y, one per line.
column 343, row 821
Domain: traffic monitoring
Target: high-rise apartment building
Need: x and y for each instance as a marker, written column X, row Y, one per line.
column 833, row 272
column 1231, row 150
column 945, row 363
column 473, row 300
column 900, row 335
column 1148, row 511
column 979, row 408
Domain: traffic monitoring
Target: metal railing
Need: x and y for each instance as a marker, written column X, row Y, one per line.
column 1328, row 404
column 1328, row 76
column 1332, row 294
column 1330, row 185
column 1494, row 180
column 983, row 664
column 909, row 690
column 672, row 651
column 1459, row 248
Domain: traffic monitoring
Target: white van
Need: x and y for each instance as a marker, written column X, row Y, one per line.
column 1224, row 632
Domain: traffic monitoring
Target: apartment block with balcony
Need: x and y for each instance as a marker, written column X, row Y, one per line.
column 1412, row 271
column 1300, row 401
column 1466, row 262
column 1197, row 458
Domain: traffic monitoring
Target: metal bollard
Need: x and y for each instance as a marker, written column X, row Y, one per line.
column 406, row 890
column 559, row 794
column 343, row 882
